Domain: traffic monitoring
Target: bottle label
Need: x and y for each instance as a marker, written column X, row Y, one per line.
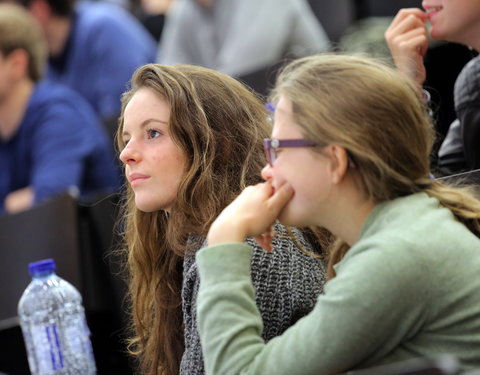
column 47, row 348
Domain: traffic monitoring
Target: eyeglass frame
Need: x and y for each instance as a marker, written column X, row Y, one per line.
column 270, row 146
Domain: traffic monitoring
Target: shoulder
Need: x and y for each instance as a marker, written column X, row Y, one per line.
column 57, row 95
column 53, row 100
column 397, row 241
column 100, row 19
column 185, row 17
column 93, row 13
column 184, row 8
column 467, row 85
column 51, row 97
column 290, row 259
column 289, row 244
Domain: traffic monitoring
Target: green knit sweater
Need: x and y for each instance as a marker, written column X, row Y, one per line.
column 409, row 287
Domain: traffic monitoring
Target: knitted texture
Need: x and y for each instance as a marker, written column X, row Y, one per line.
column 287, row 283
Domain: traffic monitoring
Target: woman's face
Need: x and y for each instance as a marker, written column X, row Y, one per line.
column 154, row 165
column 305, row 169
column 454, row 20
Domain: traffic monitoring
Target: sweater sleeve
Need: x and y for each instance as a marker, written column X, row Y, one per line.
column 373, row 304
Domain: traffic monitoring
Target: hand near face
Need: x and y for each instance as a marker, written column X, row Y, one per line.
column 407, row 40
column 251, row 214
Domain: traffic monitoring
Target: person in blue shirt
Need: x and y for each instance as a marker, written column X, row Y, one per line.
column 50, row 139
column 94, row 48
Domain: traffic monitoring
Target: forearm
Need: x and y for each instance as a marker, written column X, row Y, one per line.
column 218, row 309
column 230, row 324
column 339, row 327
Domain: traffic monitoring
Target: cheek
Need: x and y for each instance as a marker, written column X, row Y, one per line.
column 175, row 170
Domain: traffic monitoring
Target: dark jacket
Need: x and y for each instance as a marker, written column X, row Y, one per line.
column 460, row 151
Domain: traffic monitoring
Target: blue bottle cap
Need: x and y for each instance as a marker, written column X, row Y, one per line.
column 42, row 266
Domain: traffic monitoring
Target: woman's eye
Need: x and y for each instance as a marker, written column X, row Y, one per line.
column 152, row 133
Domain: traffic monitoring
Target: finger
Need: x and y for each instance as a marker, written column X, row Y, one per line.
column 408, row 23
column 406, row 12
column 402, row 25
column 265, row 241
column 281, row 196
column 414, row 40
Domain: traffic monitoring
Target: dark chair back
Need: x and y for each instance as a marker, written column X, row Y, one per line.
column 49, row 230
column 78, row 237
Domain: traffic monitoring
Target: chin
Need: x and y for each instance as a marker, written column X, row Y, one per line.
column 437, row 32
column 436, row 35
column 146, row 206
column 145, row 209
column 292, row 217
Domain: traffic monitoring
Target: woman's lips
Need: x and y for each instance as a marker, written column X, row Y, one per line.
column 432, row 10
column 137, row 178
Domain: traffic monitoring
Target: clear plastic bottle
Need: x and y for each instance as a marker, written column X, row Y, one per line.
column 53, row 323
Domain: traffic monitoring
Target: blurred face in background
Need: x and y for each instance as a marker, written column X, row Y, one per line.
column 454, row 20
column 205, row 3
column 5, row 76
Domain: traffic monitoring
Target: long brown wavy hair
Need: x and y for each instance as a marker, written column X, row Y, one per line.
column 377, row 115
column 219, row 125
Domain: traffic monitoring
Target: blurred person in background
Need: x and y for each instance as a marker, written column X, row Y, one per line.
column 152, row 14
column 50, row 139
column 94, row 48
column 239, row 37
column 408, row 40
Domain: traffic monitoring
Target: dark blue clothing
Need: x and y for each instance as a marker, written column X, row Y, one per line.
column 106, row 45
column 59, row 144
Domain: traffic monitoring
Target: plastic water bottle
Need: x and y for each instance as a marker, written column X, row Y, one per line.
column 53, row 323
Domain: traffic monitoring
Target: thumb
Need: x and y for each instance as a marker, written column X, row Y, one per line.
column 281, row 196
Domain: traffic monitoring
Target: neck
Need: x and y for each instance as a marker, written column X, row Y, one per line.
column 348, row 226
column 13, row 106
column 57, row 32
column 349, row 213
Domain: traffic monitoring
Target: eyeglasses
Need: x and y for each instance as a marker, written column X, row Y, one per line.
column 271, row 145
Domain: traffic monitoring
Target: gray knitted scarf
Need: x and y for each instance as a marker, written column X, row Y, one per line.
column 287, row 283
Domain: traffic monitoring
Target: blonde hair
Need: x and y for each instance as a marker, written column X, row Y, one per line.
column 19, row 30
column 376, row 114
column 219, row 124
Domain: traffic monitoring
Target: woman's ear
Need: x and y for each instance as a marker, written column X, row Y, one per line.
column 339, row 162
column 19, row 61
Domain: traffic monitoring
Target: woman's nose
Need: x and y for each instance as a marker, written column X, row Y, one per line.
column 129, row 155
column 267, row 172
